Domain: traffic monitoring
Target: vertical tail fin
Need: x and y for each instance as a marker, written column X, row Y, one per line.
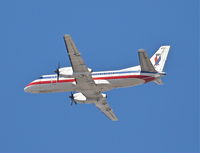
column 159, row 58
column 145, row 63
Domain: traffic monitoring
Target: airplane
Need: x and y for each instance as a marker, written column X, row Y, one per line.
column 88, row 86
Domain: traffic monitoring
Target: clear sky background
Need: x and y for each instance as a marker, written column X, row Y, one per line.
column 153, row 119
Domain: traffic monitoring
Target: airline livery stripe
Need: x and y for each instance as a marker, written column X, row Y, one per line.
column 146, row 78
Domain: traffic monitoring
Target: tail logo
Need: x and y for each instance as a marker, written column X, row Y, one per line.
column 157, row 59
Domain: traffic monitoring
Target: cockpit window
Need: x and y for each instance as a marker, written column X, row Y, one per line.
column 47, row 77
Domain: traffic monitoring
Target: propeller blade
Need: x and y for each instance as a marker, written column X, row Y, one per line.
column 72, row 99
column 57, row 71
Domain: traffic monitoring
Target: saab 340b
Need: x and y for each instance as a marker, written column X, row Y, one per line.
column 89, row 85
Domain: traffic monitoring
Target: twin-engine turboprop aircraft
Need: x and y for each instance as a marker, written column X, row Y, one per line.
column 89, row 85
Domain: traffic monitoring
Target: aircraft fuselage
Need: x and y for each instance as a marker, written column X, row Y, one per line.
column 104, row 80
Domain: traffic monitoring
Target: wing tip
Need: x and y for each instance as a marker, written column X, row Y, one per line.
column 67, row 35
column 141, row 50
column 165, row 46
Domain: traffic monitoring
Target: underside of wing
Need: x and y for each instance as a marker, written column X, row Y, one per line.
column 81, row 72
column 84, row 81
column 105, row 108
column 76, row 60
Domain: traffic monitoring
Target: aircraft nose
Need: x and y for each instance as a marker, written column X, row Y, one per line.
column 32, row 87
column 27, row 89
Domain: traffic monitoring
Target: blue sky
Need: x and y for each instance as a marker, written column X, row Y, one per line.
column 153, row 119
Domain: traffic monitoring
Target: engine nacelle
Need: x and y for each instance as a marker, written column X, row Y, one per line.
column 67, row 72
column 80, row 98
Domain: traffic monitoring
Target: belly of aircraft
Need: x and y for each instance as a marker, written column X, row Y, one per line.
column 65, row 87
column 120, row 83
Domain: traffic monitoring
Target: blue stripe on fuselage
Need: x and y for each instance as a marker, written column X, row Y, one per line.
column 101, row 73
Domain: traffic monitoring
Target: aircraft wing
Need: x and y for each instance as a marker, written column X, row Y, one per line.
column 83, row 78
column 84, row 81
column 76, row 60
column 105, row 108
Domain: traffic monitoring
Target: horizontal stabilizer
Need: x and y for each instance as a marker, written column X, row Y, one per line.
column 158, row 81
column 145, row 63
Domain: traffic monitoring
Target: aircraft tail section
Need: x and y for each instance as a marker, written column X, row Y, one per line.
column 155, row 64
column 145, row 63
column 159, row 58
column 158, row 81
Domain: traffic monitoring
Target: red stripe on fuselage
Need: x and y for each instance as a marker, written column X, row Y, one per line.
column 146, row 78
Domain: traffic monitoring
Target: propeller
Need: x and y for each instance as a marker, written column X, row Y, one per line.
column 57, row 71
column 72, row 99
